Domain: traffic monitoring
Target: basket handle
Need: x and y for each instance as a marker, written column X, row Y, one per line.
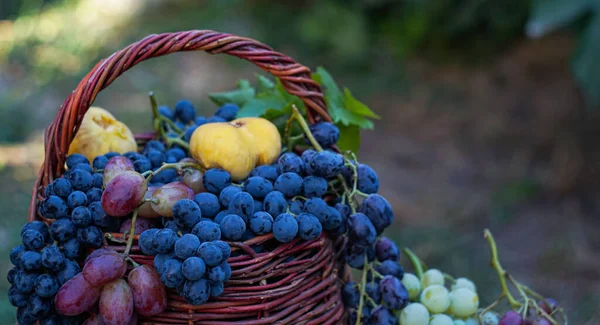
column 294, row 77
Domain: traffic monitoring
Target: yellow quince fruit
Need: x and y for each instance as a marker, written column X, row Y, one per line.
column 100, row 132
column 237, row 146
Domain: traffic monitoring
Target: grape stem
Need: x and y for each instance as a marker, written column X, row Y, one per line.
column 363, row 285
column 179, row 166
column 159, row 118
column 131, row 233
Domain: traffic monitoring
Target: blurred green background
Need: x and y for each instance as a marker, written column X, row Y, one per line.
column 489, row 113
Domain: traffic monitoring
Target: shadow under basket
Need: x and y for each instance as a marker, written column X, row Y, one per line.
column 272, row 283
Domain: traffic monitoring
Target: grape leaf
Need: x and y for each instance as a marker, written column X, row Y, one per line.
column 259, row 105
column 349, row 138
column 239, row 96
column 264, row 83
column 354, row 105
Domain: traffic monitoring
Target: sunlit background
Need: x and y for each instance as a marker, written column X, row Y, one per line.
column 490, row 113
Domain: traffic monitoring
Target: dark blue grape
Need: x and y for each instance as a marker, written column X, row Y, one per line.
column 93, row 195
column 307, row 156
column 379, row 211
column 142, row 165
column 275, row 203
column 98, row 179
column 49, row 190
column 160, row 259
column 314, row 186
column 46, row 285
column 356, row 256
column 186, row 213
column 25, row 281
column 382, row 316
column 386, row 249
column 200, row 120
column 196, row 292
column 16, row 298
column 186, row 246
column 82, row 166
column 15, row 254
column 317, row 207
column 268, row 172
column 132, row 155
column 111, row 154
column 350, row 295
column 53, row 207
column 210, row 253
column 167, row 112
column 215, row 180
column 216, row 274
column 326, row 134
column 207, row 231
column 296, row 206
column 31, row 261
column 177, row 153
column 290, row 163
column 156, row 157
column 71, row 248
column 285, row 227
column 227, row 269
column 242, row 204
column 39, row 226
column 164, row 240
column 208, row 203
column 228, row 193
column 52, row 258
column 62, row 187
column 75, row 159
column 145, row 241
column 10, row 276
column 24, row 317
column 224, row 248
column 258, row 187
column 99, row 162
column 290, row 184
column 261, row 223
column 90, row 236
column 216, row 289
column 154, row 144
column 185, row 111
column 309, row 227
column 227, row 111
column 258, row 206
column 62, row 230
column 39, row 307
column 171, row 275
column 372, row 290
column 70, row 269
column 390, row 267
column 220, row 216
column 193, row 268
column 326, row 164
column 81, row 180
column 333, row 219
column 32, row 239
column 99, row 217
column 76, row 199
column 81, row 217
column 367, row 180
column 361, row 230
column 189, row 131
column 232, row 227
column 393, row 292
column 215, row 119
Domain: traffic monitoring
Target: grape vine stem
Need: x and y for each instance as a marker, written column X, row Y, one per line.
column 363, row 284
column 131, row 233
column 415, row 261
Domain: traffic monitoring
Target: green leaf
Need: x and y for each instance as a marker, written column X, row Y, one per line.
column 341, row 115
column 549, row 15
column 586, row 65
column 354, row 105
column 349, row 138
column 244, row 84
column 259, row 105
column 240, row 96
column 264, row 83
column 332, row 91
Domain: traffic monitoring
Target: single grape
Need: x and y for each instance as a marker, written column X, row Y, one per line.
column 62, row 230
column 379, row 211
column 99, row 162
column 99, row 217
column 178, row 154
column 164, row 240
column 414, row 314
column 165, row 197
column 165, row 176
column 83, row 166
column 104, row 268
column 149, row 294
column 46, row 285
column 242, row 204
column 115, row 166
column 193, row 179
column 160, row 259
column 90, row 236
column 289, row 162
column 62, row 187
column 367, row 180
column 171, row 274
column 326, row 164
column 186, row 213
column 80, row 179
column 275, row 203
column 227, row 269
column 440, row 319
column 258, row 187
column 53, row 207
column 116, row 303
column 210, row 253
column 261, row 223
column 10, row 276
column 464, row 283
column 186, row 246
column 215, row 180
column 268, row 172
column 285, row 227
column 124, row 193
column 227, row 111
column 307, row 156
column 193, row 268
column 216, row 274
column 16, row 298
column 373, row 291
column 393, row 293
column 70, row 269
column 511, row 318
column 228, row 193
column 39, row 226
column 390, row 267
column 431, row 277
column 317, row 207
column 309, row 227
column 15, row 254
column 412, row 285
column 258, row 206
column 386, row 249
column 361, row 230
column 76, row 296
column 436, row 298
column 39, row 307
column 333, row 219
column 208, row 203
column 32, row 239
column 207, row 231
column 31, row 261
column 326, row 134
column 81, row 217
column 490, row 318
column 295, row 206
column 25, row 281
column 382, row 316
column 216, row 289
column 221, row 215
column 290, row 184
column 185, row 111
column 355, row 256
column 145, row 241
column 156, row 157
column 225, row 249
column 196, row 292
column 142, row 165
column 232, row 227
column 75, row 159
column 463, row 302
column 98, row 180
column 315, row 186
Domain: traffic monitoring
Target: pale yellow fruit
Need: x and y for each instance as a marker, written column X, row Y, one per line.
column 100, row 132
column 463, row 302
column 237, row 146
column 432, row 276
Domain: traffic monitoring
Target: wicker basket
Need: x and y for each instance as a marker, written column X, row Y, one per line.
column 294, row 283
